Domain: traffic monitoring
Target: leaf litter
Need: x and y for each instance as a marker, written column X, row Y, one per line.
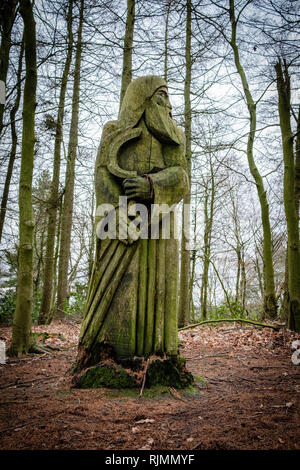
column 248, row 396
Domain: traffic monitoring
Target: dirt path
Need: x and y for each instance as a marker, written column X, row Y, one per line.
column 251, row 399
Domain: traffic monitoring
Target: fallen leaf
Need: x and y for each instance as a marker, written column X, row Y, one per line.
column 142, row 421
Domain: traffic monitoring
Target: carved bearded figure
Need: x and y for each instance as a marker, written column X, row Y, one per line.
column 131, row 308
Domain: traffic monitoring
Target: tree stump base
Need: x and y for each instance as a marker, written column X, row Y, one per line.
column 130, row 373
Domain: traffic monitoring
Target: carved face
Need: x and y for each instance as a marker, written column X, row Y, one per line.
column 158, row 117
column 161, row 98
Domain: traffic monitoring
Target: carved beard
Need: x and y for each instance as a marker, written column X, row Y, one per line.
column 161, row 125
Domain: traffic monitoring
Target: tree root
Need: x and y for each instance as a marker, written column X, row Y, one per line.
column 239, row 320
column 43, row 348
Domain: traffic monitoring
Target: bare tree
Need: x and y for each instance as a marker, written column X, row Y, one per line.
column 54, row 196
column 22, row 318
column 67, row 212
column 292, row 220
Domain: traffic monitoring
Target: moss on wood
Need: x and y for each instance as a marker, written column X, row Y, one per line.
column 105, row 375
column 170, row 371
column 129, row 373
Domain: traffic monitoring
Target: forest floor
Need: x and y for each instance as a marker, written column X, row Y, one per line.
column 249, row 397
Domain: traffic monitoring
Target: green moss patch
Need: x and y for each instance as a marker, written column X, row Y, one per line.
column 170, row 372
column 105, row 376
column 200, row 380
column 165, row 372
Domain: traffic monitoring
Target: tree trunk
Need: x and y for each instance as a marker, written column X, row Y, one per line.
column 285, row 302
column 243, row 285
column 238, row 273
column 209, row 203
column 206, row 259
column 22, row 317
column 284, row 106
column 270, row 306
column 55, row 260
column 297, row 167
column 166, row 40
column 14, row 140
column 184, row 294
column 54, row 196
column 258, row 270
column 127, row 54
column 193, row 267
column 91, row 247
column 7, row 18
column 39, row 254
column 284, row 311
column 67, row 212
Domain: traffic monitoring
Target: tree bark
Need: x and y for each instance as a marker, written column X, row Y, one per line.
column 55, row 261
column 193, row 266
column 14, row 140
column 128, row 43
column 7, row 18
column 54, row 196
column 258, row 270
column 166, row 40
column 284, row 311
column 184, row 294
column 91, row 246
column 290, row 206
column 67, row 212
column 22, row 317
column 208, row 222
column 297, row 167
column 238, row 320
column 270, row 306
column 285, row 302
column 243, row 286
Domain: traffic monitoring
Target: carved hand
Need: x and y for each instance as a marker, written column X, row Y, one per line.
column 123, row 224
column 137, row 187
